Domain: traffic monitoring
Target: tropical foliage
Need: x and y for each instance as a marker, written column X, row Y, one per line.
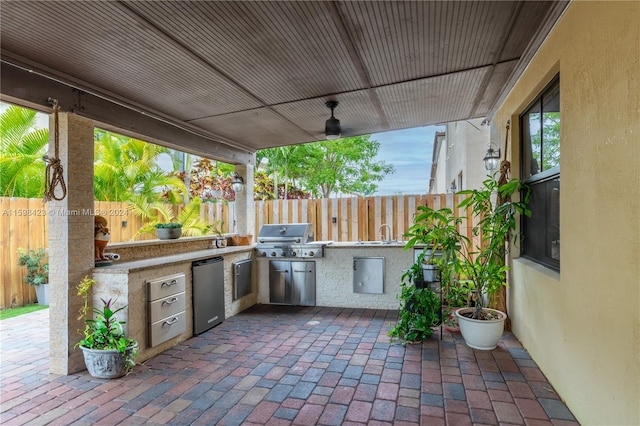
column 21, row 149
column 286, row 165
column 264, row 189
column 154, row 213
column 208, row 180
column 125, row 168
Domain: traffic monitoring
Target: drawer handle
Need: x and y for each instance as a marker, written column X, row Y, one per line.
column 169, row 284
column 170, row 302
column 172, row 321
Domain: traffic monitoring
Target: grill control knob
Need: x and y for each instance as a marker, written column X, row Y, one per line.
column 283, row 253
column 273, row 253
column 263, row 253
column 293, row 254
column 311, row 254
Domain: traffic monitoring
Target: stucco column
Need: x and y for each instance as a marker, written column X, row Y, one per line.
column 245, row 207
column 70, row 240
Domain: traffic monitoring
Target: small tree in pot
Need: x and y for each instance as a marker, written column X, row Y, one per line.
column 37, row 272
column 480, row 260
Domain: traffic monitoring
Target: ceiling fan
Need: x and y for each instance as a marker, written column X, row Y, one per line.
column 332, row 129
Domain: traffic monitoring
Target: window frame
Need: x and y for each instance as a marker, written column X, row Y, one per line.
column 540, row 178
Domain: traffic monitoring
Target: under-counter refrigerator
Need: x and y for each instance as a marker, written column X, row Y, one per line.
column 208, row 294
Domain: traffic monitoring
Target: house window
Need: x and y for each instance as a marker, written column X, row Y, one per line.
column 540, row 125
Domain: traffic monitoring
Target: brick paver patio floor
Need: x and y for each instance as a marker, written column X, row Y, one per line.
column 278, row 365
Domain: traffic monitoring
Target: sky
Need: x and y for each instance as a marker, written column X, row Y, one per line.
column 410, row 152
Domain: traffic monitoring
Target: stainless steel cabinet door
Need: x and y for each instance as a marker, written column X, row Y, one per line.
column 242, row 279
column 280, row 282
column 368, row 275
column 304, row 283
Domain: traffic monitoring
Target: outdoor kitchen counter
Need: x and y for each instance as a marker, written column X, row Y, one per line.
column 352, row 244
column 335, row 274
column 126, row 283
column 192, row 256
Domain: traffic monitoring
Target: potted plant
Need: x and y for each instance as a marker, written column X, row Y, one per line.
column 216, row 228
column 161, row 216
column 168, row 231
column 37, row 272
column 107, row 352
column 480, row 260
column 420, row 308
column 457, row 294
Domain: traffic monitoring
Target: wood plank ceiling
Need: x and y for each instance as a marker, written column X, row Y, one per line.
column 257, row 74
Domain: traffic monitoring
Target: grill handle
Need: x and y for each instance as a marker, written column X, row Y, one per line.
column 279, row 240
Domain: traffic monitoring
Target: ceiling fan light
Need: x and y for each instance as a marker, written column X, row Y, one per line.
column 332, row 129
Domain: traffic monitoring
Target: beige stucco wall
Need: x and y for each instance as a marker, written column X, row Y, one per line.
column 582, row 326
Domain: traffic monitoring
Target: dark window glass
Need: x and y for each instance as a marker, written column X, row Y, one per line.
column 541, row 231
column 540, row 126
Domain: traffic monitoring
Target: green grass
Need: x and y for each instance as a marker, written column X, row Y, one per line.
column 14, row 312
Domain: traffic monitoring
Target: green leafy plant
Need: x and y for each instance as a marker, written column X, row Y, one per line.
column 419, row 311
column 217, row 228
column 37, row 268
column 459, row 293
column 480, row 260
column 104, row 331
column 162, row 216
column 170, row 225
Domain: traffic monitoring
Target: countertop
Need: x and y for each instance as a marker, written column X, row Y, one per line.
column 192, row 256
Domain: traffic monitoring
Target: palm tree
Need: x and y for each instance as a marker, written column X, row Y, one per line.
column 125, row 167
column 21, row 149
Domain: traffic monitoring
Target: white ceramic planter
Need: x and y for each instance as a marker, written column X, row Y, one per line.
column 481, row 334
column 105, row 364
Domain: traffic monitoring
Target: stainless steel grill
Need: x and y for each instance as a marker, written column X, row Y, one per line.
column 288, row 240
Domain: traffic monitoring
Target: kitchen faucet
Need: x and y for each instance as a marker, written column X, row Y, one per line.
column 382, row 235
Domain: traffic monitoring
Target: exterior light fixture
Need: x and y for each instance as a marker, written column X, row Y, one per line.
column 332, row 126
column 237, row 183
column 453, row 187
column 492, row 158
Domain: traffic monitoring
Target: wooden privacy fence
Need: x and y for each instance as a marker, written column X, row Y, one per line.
column 23, row 223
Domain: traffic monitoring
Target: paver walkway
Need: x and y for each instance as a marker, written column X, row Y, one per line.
column 278, row 365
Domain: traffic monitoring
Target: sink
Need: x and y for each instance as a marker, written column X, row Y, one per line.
column 378, row 243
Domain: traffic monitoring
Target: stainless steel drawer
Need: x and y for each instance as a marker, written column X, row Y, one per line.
column 167, row 306
column 167, row 328
column 165, row 286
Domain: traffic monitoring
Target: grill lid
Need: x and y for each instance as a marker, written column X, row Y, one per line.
column 298, row 233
